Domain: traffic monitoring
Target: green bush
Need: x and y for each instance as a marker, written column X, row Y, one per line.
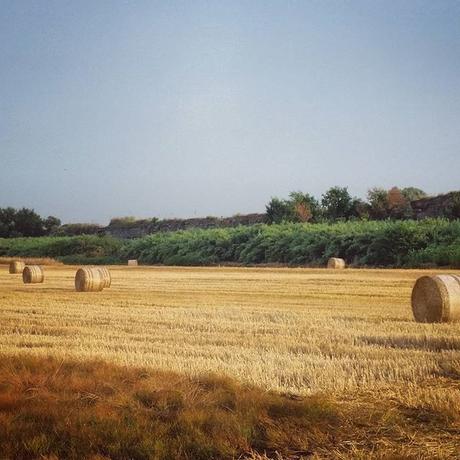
column 360, row 243
column 387, row 243
column 77, row 229
column 85, row 246
column 437, row 255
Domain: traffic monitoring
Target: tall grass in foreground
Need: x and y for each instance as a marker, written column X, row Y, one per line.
column 54, row 409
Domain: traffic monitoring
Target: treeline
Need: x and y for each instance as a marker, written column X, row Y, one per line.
column 25, row 222
column 337, row 204
column 431, row 242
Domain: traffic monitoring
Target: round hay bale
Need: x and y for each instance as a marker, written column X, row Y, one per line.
column 132, row 263
column 105, row 276
column 33, row 274
column 89, row 279
column 17, row 266
column 335, row 263
column 436, row 299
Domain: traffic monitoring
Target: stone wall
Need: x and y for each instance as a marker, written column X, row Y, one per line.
column 447, row 205
column 138, row 230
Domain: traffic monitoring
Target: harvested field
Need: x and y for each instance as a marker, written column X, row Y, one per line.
column 294, row 330
column 348, row 334
column 31, row 260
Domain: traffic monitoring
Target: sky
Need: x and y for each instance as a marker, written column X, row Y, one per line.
column 196, row 108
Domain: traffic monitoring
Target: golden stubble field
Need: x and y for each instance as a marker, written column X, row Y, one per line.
column 291, row 330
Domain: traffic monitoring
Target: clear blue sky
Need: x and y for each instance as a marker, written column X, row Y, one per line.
column 111, row 108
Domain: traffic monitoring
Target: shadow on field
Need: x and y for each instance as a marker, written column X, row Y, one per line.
column 370, row 320
column 413, row 342
column 52, row 409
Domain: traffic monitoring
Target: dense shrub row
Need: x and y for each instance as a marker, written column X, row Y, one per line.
column 363, row 243
column 70, row 249
column 434, row 242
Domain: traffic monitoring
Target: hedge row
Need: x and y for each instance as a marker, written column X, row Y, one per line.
column 432, row 242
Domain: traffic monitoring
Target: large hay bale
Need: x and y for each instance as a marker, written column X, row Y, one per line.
column 106, row 276
column 89, row 279
column 436, row 299
column 33, row 274
column 132, row 263
column 336, row 263
column 17, row 266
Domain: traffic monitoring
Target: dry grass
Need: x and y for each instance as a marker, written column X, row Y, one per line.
column 87, row 410
column 348, row 334
column 78, row 410
column 31, row 260
column 283, row 329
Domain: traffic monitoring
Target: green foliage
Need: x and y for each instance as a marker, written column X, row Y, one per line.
column 337, row 203
column 60, row 247
column 378, row 202
column 91, row 260
column 361, row 243
column 25, row 222
column 300, row 207
column 77, row 229
column 7, row 216
column 359, row 209
column 277, row 211
column 413, row 193
column 306, row 206
column 51, row 224
column 436, row 255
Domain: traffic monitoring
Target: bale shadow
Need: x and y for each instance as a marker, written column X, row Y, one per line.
column 414, row 342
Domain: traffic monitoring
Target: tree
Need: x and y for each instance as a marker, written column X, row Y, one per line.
column 51, row 224
column 395, row 198
column 25, row 222
column 398, row 206
column 7, row 216
column 28, row 223
column 378, row 202
column 360, row 209
column 277, row 211
column 337, row 203
column 305, row 206
column 413, row 193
